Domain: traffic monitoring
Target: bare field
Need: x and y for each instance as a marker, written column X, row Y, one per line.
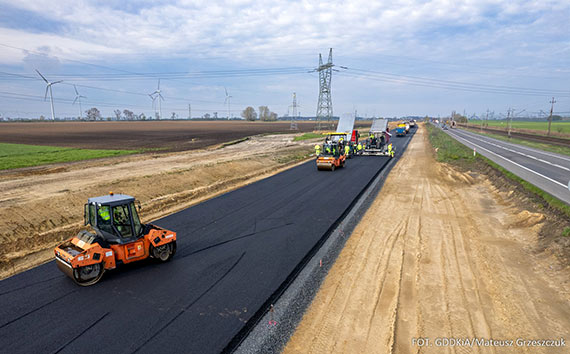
column 439, row 254
column 40, row 207
column 136, row 135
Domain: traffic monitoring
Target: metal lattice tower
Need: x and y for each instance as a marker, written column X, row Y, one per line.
column 324, row 107
column 294, row 113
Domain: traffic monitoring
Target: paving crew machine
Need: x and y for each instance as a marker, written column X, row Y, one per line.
column 118, row 237
column 332, row 154
column 378, row 142
column 346, row 126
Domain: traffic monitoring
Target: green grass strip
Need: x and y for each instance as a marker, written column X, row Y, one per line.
column 562, row 150
column 21, row 155
column 308, row 136
column 540, row 127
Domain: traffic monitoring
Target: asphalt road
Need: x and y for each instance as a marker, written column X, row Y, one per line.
column 234, row 253
column 546, row 170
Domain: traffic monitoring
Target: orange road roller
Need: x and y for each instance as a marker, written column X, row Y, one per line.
column 117, row 237
column 331, row 157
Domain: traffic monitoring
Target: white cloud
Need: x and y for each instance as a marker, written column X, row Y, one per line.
column 233, row 27
column 481, row 37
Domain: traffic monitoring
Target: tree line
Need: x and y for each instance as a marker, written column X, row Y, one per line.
column 264, row 114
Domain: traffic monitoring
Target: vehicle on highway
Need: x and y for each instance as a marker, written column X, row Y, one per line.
column 331, row 157
column 118, row 237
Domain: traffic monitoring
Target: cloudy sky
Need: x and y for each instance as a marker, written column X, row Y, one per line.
column 394, row 58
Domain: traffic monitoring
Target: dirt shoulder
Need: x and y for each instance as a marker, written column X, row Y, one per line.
column 40, row 207
column 439, row 254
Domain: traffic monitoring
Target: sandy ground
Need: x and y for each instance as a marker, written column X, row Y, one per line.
column 439, row 254
column 40, row 207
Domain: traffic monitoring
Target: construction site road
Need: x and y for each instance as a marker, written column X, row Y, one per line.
column 235, row 252
column 546, row 170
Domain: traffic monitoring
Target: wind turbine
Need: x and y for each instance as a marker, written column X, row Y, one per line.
column 78, row 98
column 227, row 100
column 159, row 96
column 48, row 87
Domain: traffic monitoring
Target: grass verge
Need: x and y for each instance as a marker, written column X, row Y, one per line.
column 541, row 127
column 307, row 136
column 542, row 146
column 20, row 155
column 451, row 151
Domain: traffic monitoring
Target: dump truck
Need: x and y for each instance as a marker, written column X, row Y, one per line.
column 117, row 237
column 332, row 156
column 401, row 129
column 378, row 142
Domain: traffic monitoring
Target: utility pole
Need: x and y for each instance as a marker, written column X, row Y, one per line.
column 189, row 111
column 487, row 119
column 550, row 117
column 509, row 118
column 294, row 113
column 324, row 106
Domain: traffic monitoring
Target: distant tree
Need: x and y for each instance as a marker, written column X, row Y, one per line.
column 458, row 117
column 142, row 116
column 272, row 116
column 117, row 113
column 173, row 116
column 42, row 117
column 249, row 114
column 93, row 114
column 128, row 114
column 264, row 113
column 207, row 116
column 556, row 117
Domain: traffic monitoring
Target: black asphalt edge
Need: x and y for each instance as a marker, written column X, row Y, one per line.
column 269, row 331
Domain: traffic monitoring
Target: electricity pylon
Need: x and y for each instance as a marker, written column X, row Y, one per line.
column 324, row 107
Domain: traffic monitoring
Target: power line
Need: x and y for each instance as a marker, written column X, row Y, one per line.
column 458, row 87
column 424, row 79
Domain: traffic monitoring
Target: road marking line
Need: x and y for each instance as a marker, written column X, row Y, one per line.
column 521, row 153
column 514, row 163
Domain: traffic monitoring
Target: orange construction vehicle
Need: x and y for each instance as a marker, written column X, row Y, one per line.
column 331, row 157
column 118, row 237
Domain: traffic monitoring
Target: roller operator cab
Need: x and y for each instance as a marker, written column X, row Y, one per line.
column 117, row 236
column 331, row 157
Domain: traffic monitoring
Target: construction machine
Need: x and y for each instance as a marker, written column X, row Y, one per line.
column 345, row 126
column 332, row 156
column 401, row 129
column 378, row 142
column 117, row 237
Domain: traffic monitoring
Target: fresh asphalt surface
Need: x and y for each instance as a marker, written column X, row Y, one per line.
column 234, row 252
column 546, row 170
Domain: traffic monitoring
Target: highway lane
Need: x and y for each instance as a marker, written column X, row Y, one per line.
column 234, row 252
column 548, row 171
